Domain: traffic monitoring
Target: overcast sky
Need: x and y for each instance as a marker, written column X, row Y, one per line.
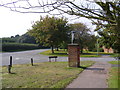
column 13, row 23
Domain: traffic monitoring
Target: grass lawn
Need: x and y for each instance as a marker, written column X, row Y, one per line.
column 63, row 53
column 114, row 62
column 114, row 77
column 115, row 55
column 41, row 75
column 101, row 53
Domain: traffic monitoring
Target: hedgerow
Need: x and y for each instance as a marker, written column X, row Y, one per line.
column 18, row 46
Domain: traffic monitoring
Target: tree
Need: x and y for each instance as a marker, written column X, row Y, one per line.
column 8, row 40
column 11, row 39
column 82, row 36
column 50, row 31
column 103, row 14
column 26, row 38
column 107, row 38
column 92, row 43
column 16, row 38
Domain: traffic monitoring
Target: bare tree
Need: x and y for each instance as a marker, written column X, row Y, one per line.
column 101, row 11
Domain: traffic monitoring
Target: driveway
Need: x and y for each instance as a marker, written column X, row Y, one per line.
column 24, row 57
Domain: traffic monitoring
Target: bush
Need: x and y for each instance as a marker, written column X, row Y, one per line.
column 95, row 50
column 101, row 50
column 18, row 46
column 8, row 40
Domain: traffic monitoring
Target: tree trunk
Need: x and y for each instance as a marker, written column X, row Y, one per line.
column 81, row 51
column 52, row 49
column 57, row 49
column 81, row 48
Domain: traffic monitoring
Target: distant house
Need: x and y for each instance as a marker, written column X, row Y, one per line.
column 108, row 50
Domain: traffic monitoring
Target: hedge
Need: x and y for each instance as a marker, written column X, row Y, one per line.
column 18, row 46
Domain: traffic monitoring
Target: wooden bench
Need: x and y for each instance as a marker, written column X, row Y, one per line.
column 52, row 57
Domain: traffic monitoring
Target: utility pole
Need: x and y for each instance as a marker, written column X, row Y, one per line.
column 97, row 47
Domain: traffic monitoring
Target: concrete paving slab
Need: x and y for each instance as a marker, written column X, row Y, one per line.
column 92, row 77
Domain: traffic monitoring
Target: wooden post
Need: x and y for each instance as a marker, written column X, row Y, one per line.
column 11, row 61
column 9, row 68
column 55, row 60
column 49, row 59
column 32, row 61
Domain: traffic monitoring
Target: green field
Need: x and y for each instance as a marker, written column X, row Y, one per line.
column 41, row 75
column 64, row 53
column 113, row 76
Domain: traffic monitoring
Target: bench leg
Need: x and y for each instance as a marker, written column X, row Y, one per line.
column 55, row 60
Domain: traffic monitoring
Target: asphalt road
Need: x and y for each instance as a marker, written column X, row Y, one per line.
column 24, row 57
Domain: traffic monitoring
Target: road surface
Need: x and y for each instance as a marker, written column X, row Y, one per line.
column 24, row 57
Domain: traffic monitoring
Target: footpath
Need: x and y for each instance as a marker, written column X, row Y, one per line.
column 92, row 77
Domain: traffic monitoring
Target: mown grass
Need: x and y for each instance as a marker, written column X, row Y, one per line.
column 114, row 76
column 115, row 55
column 57, row 53
column 114, row 62
column 41, row 75
column 64, row 53
column 101, row 53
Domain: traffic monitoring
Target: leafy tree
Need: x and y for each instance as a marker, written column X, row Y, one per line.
column 16, row 38
column 82, row 36
column 17, row 35
column 11, row 39
column 107, row 39
column 50, row 31
column 26, row 38
column 6, row 40
column 91, row 42
column 104, row 14
column 64, row 45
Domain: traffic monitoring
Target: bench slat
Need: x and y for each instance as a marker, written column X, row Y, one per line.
column 52, row 56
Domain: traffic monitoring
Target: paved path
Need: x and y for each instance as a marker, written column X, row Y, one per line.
column 93, row 77
column 23, row 57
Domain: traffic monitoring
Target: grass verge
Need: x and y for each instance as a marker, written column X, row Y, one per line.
column 63, row 53
column 114, row 62
column 41, row 75
column 114, row 76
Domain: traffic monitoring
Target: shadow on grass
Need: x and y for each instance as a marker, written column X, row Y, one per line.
column 82, row 67
column 34, row 65
column 58, row 54
column 8, row 73
column 91, row 68
column 95, row 69
column 96, row 54
column 12, row 73
column 61, row 53
column 80, row 54
column 88, row 54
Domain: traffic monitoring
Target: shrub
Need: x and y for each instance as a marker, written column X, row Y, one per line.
column 18, row 46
